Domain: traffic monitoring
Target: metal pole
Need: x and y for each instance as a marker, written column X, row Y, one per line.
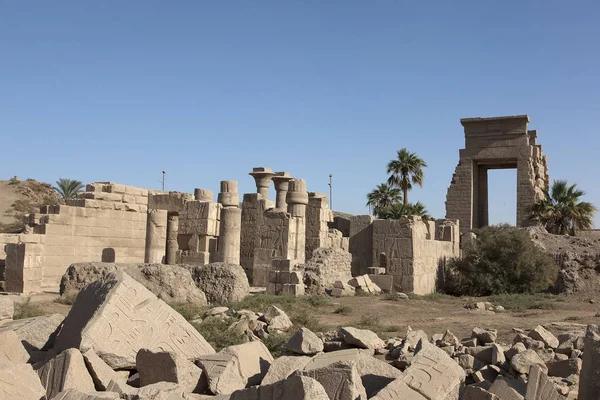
column 330, row 193
column 163, row 181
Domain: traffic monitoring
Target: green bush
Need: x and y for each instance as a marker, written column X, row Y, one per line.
column 502, row 259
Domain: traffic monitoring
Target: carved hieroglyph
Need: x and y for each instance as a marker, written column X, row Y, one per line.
column 495, row 143
column 117, row 316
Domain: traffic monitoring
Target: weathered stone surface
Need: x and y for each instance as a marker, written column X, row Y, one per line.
column 484, row 336
column 363, row 338
column 74, row 394
column 304, row 342
column 523, row 361
column 277, row 319
column 171, row 283
column 589, row 383
column 433, row 375
column 164, row 366
column 364, row 284
column 413, row 338
column 7, row 308
column 564, row 368
column 283, row 367
column 540, row 387
column 117, row 316
column 498, row 357
column 222, row 283
column 477, row 393
column 292, row 388
column 514, row 350
column 481, row 353
column 66, row 371
column 37, row 333
column 542, row 334
column 236, row 367
column 11, row 348
column 331, row 265
column 340, row 381
column 19, row 382
column 487, row 373
column 508, row 389
column 101, row 373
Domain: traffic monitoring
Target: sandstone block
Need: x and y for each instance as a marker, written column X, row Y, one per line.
column 66, row 371
column 485, row 336
column 277, row 319
column 36, row 333
column 294, row 387
column 117, row 316
column 589, row 383
column 164, row 366
column 222, row 283
column 478, row 393
column 564, row 368
column 508, row 389
column 362, row 338
column 7, row 308
column 542, row 334
column 74, row 394
column 304, row 342
column 540, row 387
column 340, row 381
column 523, row 361
column 283, row 367
column 100, row 372
column 11, row 348
column 19, row 382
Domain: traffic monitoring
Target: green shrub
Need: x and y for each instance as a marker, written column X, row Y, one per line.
column 520, row 302
column 189, row 311
column 216, row 332
column 503, row 259
column 14, row 180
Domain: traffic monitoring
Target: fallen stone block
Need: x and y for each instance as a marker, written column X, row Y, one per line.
column 74, row 394
column 523, row 361
column 487, row 373
column 498, row 357
column 304, row 342
column 236, row 367
column 292, row 388
column 485, row 336
column 100, row 372
column 484, row 354
column 11, row 348
column 283, row 367
column 340, row 381
column 540, row 387
column 433, row 375
column 543, row 335
column 363, row 338
column 7, row 308
column 508, row 389
column 117, row 316
column 164, row 366
column 413, row 338
column 222, row 283
column 341, row 289
column 36, row 333
column 19, row 382
column 477, row 393
column 514, row 350
column 66, row 371
column 589, row 382
column 277, row 319
column 565, row 368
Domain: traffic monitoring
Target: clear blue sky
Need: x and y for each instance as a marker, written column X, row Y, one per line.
column 205, row 90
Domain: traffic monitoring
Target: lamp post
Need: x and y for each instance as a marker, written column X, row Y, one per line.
column 163, row 181
column 330, row 193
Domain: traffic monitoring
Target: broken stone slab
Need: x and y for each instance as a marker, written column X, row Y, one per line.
column 565, row 368
column 543, row 335
column 508, row 389
column 498, row 357
column 341, row 289
column 283, row 367
column 589, row 382
column 362, row 338
column 487, row 373
column 276, row 319
column 514, row 350
column 449, row 339
column 478, row 393
column 363, row 283
column 540, row 387
column 294, row 387
column 165, row 366
column 222, row 283
column 7, row 308
column 484, row 336
column 100, row 372
column 19, row 382
column 482, row 353
column 36, row 333
column 11, row 348
column 236, row 367
column 340, row 381
column 74, row 394
column 304, row 342
column 117, row 316
column 433, row 375
column 66, row 371
column 414, row 337
column 523, row 361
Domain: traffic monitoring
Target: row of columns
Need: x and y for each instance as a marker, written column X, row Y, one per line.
column 281, row 181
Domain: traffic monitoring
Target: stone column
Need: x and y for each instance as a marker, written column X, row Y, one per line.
column 203, row 195
column 231, row 224
column 297, row 200
column 155, row 236
column 281, row 180
column 262, row 176
column 172, row 244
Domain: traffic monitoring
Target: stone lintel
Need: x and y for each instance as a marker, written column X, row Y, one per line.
column 464, row 121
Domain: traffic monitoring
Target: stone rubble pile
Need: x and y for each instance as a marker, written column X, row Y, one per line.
column 120, row 341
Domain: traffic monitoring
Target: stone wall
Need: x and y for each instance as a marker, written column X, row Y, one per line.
column 361, row 243
column 318, row 215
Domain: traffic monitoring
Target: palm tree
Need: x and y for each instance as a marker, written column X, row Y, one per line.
column 383, row 196
column 561, row 212
column 406, row 170
column 68, row 188
column 399, row 210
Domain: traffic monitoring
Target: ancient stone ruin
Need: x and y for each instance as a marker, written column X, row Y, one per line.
column 495, row 143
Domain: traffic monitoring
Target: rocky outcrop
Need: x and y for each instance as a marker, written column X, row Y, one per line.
column 222, row 283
